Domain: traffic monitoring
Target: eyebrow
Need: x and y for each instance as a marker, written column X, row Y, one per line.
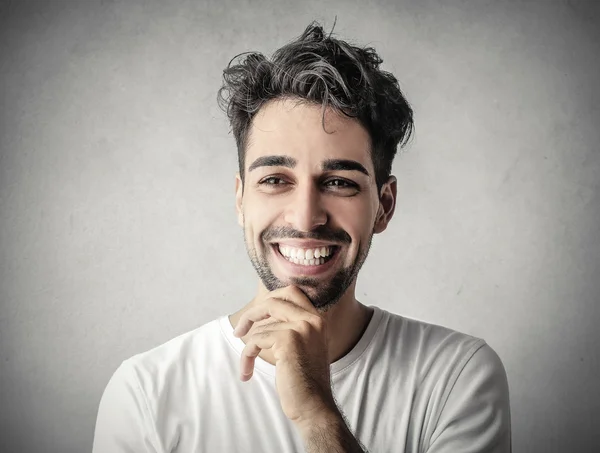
column 344, row 164
column 290, row 162
column 273, row 161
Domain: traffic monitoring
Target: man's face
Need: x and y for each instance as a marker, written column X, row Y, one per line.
column 309, row 205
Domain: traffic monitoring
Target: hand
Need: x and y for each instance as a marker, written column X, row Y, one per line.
column 299, row 341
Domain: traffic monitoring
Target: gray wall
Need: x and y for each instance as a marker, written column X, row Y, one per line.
column 117, row 171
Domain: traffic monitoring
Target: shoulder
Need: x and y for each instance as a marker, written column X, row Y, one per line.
column 146, row 390
column 145, row 384
column 463, row 379
column 430, row 344
column 439, row 355
column 173, row 366
column 463, row 382
column 170, row 362
column 474, row 408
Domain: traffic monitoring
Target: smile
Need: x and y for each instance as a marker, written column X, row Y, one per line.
column 307, row 257
column 304, row 261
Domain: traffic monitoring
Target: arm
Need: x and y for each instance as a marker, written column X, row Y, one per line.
column 329, row 433
column 124, row 424
column 476, row 415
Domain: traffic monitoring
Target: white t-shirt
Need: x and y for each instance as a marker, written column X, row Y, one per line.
column 407, row 386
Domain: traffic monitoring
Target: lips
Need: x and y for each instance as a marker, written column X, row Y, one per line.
column 292, row 268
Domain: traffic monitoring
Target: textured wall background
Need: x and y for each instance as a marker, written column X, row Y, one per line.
column 117, row 171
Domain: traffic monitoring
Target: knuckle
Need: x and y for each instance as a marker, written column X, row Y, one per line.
column 293, row 292
column 261, row 334
column 318, row 323
column 304, row 327
column 293, row 336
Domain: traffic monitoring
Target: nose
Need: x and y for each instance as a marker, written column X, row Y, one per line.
column 305, row 211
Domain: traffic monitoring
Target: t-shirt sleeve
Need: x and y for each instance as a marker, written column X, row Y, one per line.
column 124, row 423
column 476, row 415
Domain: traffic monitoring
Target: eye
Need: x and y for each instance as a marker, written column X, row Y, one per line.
column 272, row 181
column 340, row 184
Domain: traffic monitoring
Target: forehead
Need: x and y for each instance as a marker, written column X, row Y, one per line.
column 288, row 127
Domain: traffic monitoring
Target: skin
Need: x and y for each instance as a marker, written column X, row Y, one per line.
column 299, row 323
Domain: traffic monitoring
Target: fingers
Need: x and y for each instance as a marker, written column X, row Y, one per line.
column 267, row 336
column 274, row 307
column 264, row 339
column 296, row 295
column 293, row 315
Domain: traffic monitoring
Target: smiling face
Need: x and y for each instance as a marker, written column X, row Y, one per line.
column 309, row 203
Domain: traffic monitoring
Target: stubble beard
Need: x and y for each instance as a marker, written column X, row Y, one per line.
column 324, row 294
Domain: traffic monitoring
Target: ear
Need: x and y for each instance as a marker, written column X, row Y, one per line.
column 239, row 193
column 387, row 205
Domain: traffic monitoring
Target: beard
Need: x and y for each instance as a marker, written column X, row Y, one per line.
column 323, row 294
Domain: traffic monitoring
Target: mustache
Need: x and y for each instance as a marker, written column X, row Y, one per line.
column 319, row 234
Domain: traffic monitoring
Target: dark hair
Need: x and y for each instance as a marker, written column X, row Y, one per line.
column 323, row 70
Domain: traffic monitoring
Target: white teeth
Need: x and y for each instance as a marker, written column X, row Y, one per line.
column 306, row 257
column 305, row 254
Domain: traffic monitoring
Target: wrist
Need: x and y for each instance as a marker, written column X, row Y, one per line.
column 327, row 431
column 324, row 419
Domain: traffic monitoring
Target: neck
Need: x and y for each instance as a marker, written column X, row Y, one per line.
column 346, row 322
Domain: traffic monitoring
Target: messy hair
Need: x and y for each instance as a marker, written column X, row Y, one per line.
column 320, row 70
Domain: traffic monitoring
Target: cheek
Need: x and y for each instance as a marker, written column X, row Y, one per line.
column 255, row 224
column 358, row 226
column 264, row 211
column 356, row 219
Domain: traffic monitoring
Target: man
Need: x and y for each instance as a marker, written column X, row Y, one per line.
column 305, row 366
